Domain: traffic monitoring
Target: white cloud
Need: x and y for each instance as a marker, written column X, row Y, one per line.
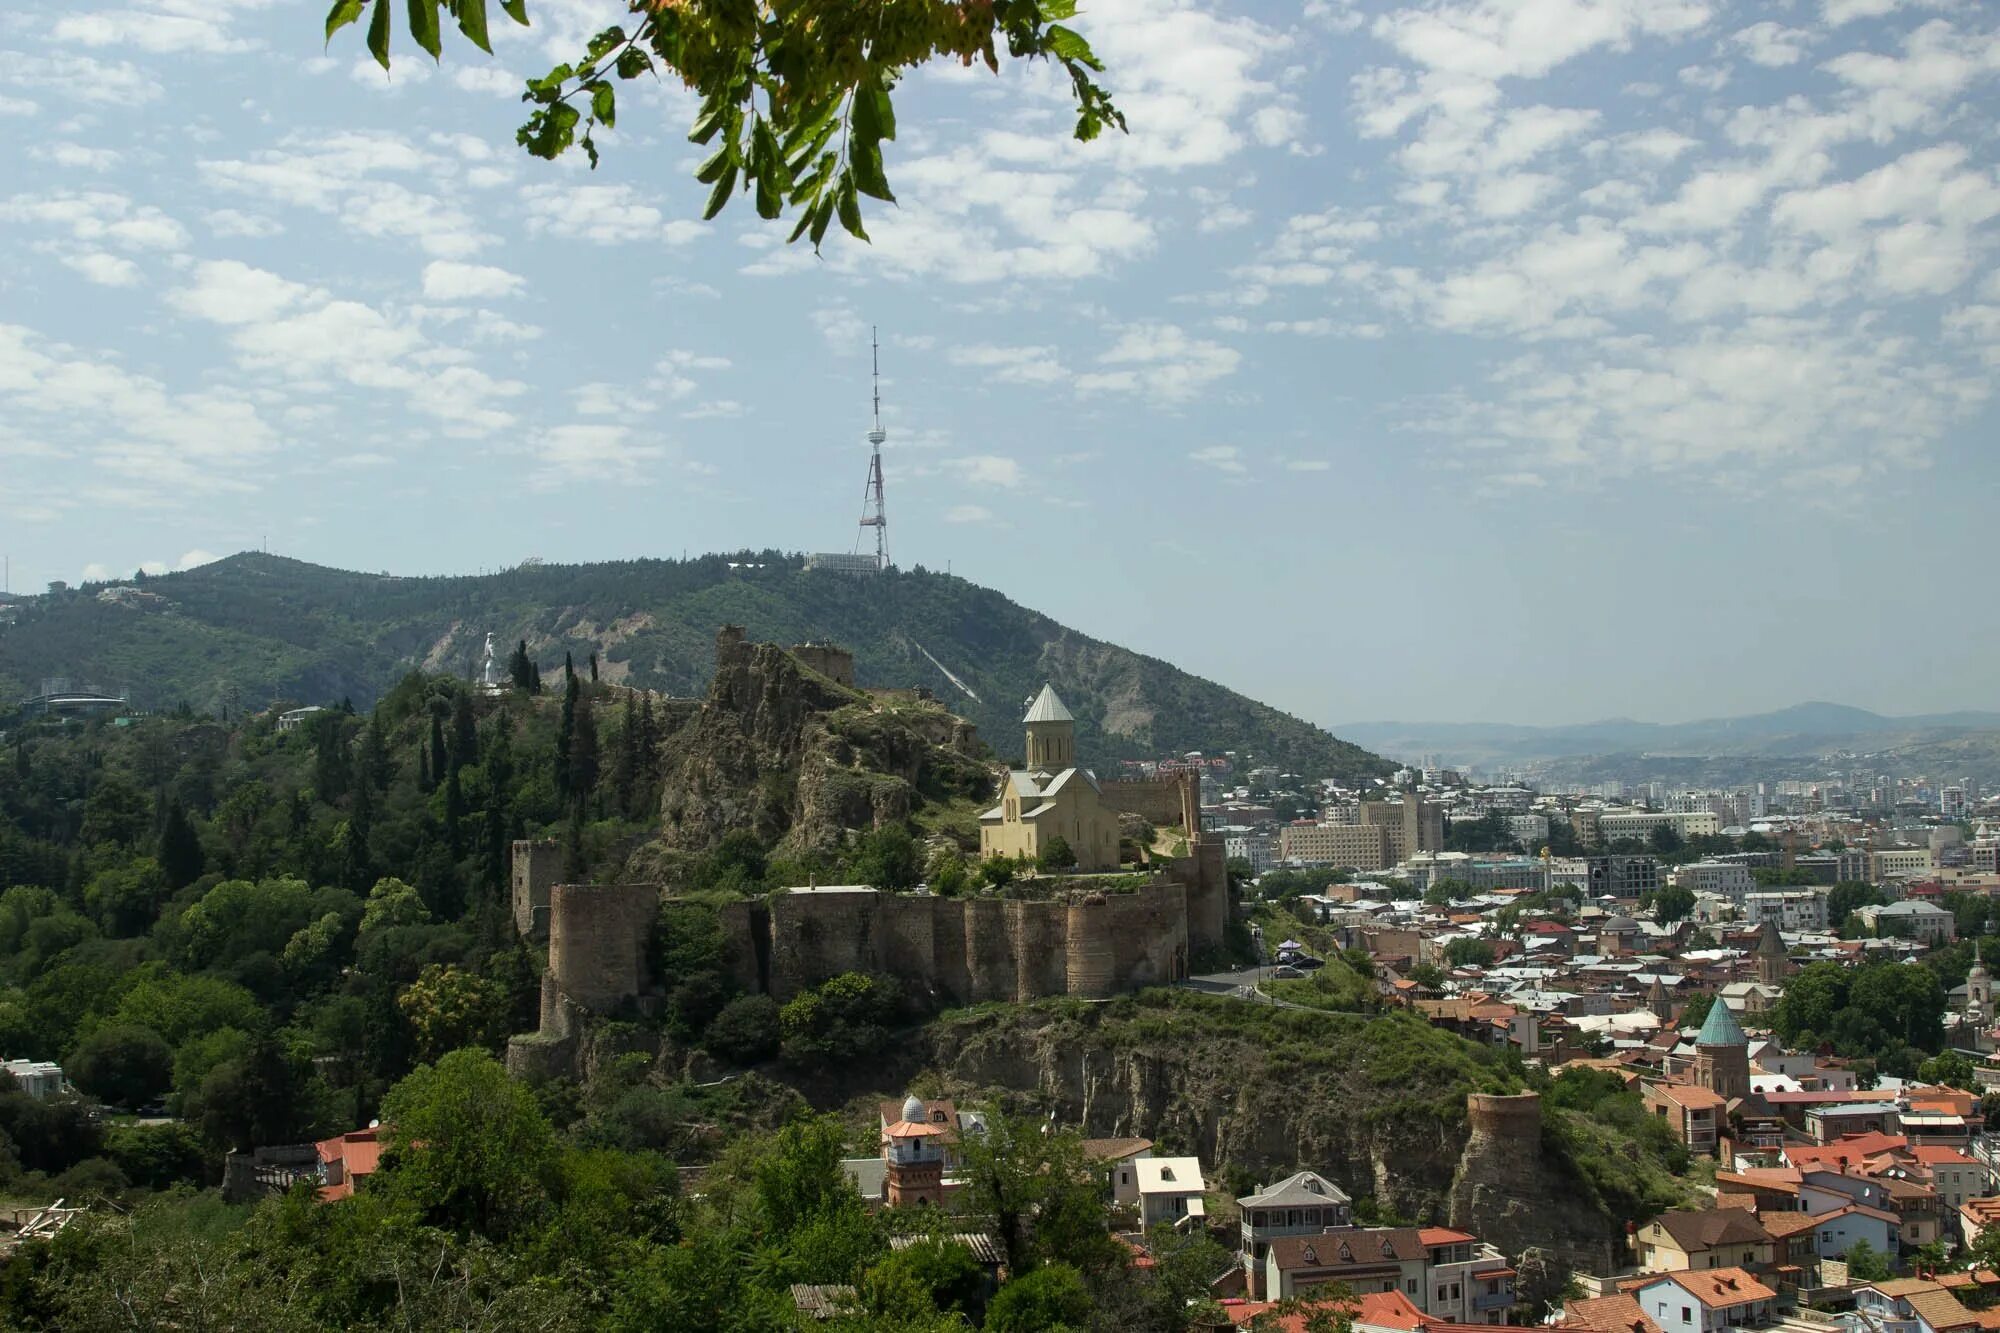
column 1222, row 457
column 590, row 455
column 168, row 30
column 106, row 270
column 1161, row 362
column 968, row 514
column 228, row 291
column 97, row 217
column 233, row 224
column 487, row 79
column 77, row 157
column 1011, row 365
column 989, row 470
column 448, row 280
column 602, row 215
column 1773, row 45
column 345, row 175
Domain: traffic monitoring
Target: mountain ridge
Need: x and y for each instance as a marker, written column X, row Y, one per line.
column 1813, row 726
column 252, row 628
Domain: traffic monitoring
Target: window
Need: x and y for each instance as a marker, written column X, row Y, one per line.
column 1687, row 1315
column 1412, row 1285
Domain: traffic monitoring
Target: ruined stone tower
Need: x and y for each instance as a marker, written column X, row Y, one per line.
column 536, row 866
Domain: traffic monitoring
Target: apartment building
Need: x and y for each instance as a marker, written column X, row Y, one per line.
column 1789, row 909
column 1721, row 878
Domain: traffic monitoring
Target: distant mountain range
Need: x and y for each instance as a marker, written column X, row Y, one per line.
column 1805, row 729
column 253, row 629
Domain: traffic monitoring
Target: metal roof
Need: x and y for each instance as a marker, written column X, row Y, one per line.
column 1046, row 707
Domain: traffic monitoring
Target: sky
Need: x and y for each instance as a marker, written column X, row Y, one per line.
column 1532, row 361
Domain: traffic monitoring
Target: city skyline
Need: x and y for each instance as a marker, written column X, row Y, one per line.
column 1533, row 363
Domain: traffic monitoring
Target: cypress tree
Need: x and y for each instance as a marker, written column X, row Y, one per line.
column 181, row 858
column 439, row 761
column 566, row 741
column 593, row 666
column 583, row 754
column 424, row 783
column 521, row 670
column 464, row 732
column 625, row 762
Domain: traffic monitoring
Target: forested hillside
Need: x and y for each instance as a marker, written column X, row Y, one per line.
column 244, row 631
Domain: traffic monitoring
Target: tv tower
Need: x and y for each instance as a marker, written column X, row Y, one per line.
column 874, row 513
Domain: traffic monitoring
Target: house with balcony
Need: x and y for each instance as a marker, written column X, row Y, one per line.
column 1707, row 1301
column 1694, row 1114
column 1376, row 1260
column 1170, row 1191
column 1304, row 1204
column 1469, row 1281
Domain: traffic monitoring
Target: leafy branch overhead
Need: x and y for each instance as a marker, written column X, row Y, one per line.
column 795, row 94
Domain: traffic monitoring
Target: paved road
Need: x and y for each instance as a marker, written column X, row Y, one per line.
column 1239, row 985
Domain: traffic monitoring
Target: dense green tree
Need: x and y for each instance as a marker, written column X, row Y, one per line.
column 468, row 1147
column 1867, row 1264
column 1469, row 952
column 1951, row 1069
column 1052, row 1299
column 1843, row 898
column 887, row 858
column 746, row 1031
column 124, row 1064
column 1672, row 904
column 1043, row 1192
column 1056, row 855
column 521, row 670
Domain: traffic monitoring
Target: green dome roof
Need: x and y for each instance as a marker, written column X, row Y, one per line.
column 1720, row 1028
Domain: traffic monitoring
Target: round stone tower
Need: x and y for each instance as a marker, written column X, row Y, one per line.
column 1510, row 1122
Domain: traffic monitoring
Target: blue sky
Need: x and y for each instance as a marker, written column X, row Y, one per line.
column 1528, row 361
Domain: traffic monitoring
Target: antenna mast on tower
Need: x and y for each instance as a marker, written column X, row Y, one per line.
column 874, row 513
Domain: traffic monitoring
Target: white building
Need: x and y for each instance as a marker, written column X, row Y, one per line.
column 1531, row 831
column 1909, row 919
column 1257, row 846
column 1614, row 825
column 1793, row 910
column 1721, row 878
column 1170, row 1190
column 40, row 1079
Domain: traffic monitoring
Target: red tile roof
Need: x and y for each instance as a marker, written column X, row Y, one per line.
column 1719, row 1288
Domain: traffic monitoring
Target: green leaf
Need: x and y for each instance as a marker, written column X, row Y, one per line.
column 604, row 104
column 378, row 34
column 424, row 26
column 632, row 62
column 472, row 22
column 848, row 206
column 1055, row 10
column 865, row 164
column 770, row 161
column 343, row 13
column 709, row 172
column 866, row 116
column 720, row 194
column 1066, row 44
column 517, row 10
column 822, row 214
column 769, row 202
column 712, row 115
column 604, row 43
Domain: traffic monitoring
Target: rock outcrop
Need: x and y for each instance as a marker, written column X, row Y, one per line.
column 1305, row 1091
column 796, row 758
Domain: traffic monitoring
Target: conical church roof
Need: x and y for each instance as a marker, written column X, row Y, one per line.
column 1770, row 944
column 1047, row 708
column 1720, row 1028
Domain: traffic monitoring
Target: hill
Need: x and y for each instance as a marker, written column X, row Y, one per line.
column 1805, row 729
column 253, row 628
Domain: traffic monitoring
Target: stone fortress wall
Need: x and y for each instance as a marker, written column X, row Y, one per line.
column 1086, row 943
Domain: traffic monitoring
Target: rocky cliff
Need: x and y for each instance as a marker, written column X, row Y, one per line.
column 780, row 751
column 1379, row 1106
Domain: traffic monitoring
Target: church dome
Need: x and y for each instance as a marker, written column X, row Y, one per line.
column 1720, row 1028
column 913, row 1109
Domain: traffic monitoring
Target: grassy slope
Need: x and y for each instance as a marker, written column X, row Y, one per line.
column 272, row 627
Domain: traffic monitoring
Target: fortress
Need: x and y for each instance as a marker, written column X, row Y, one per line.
column 1088, row 942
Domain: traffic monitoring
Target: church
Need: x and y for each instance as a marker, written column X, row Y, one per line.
column 1050, row 797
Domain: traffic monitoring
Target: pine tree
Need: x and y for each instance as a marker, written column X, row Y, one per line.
column 425, row 784
column 574, row 866
column 593, row 666
column 454, row 815
column 535, row 674
column 464, row 732
column 181, row 858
